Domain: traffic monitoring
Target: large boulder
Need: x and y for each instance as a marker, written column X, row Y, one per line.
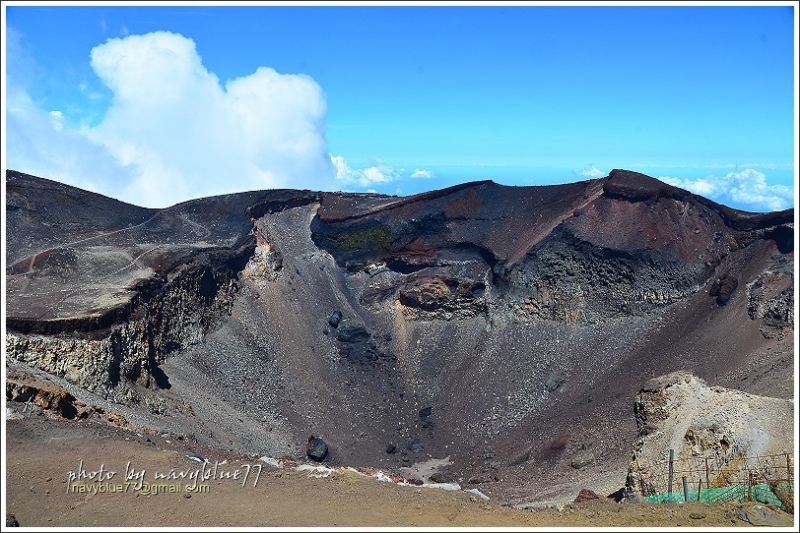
column 351, row 331
column 723, row 288
column 334, row 319
column 317, row 449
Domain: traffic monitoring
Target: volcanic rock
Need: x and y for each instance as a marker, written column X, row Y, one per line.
column 553, row 383
column 582, row 461
column 351, row 331
column 440, row 477
column 334, row 319
column 586, row 495
column 723, row 288
column 317, row 449
column 482, row 478
column 44, row 395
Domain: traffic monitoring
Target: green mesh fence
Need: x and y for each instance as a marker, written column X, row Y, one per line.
column 761, row 493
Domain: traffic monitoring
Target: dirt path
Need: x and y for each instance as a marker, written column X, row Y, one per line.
column 42, row 453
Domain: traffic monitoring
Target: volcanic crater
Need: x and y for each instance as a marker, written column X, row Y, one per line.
column 505, row 329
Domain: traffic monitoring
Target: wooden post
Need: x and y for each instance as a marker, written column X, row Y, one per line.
column 788, row 469
column 750, row 486
column 699, row 486
column 685, row 489
column 708, row 474
column 671, row 471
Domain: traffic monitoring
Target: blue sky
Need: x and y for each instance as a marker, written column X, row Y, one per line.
column 156, row 105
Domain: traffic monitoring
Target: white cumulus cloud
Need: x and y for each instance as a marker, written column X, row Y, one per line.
column 39, row 143
column 423, row 174
column 380, row 173
column 591, row 172
column 745, row 189
column 174, row 132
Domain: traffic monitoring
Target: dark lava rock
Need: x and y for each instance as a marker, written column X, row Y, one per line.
column 436, row 294
column 440, row 477
column 351, row 331
column 317, row 449
column 391, row 448
column 482, row 478
column 723, row 288
column 553, row 383
column 425, row 413
column 334, row 319
column 11, row 521
column 618, row 495
column 626, row 495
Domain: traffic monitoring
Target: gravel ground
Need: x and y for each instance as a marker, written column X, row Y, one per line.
column 41, row 453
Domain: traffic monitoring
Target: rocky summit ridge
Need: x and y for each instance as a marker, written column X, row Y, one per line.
column 507, row 328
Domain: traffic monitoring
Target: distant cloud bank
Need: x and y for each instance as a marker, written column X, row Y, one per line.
column 591, row 172
column 747, row 188
column 423, row 174
column 379, row 173
column 363, row 178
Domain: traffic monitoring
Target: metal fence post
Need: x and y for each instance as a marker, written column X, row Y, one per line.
column 685, row 489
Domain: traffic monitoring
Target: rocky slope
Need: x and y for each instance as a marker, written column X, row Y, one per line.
column 714, row 433
column 507, row 328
